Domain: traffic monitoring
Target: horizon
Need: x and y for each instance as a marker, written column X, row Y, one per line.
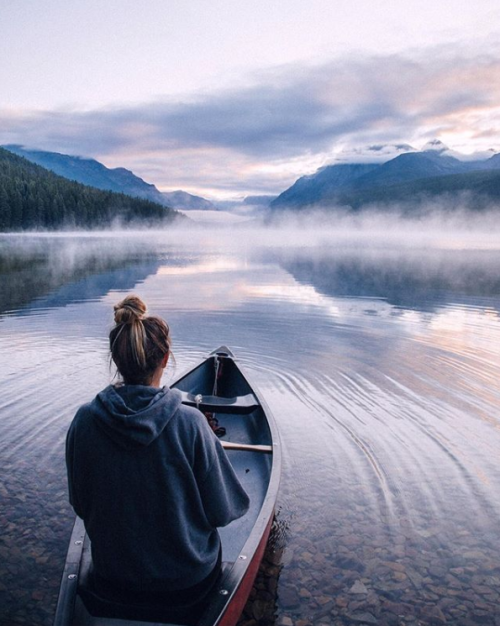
column 230, row 100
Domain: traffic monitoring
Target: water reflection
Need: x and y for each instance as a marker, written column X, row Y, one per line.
column 381, row 368
column 411, row 279
column 71, row 269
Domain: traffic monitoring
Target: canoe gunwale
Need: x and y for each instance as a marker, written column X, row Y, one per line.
column 71, row 573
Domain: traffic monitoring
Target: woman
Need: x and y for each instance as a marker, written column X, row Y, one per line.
column 149, row 478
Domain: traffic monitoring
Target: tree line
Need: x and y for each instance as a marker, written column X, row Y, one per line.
column 32, row 197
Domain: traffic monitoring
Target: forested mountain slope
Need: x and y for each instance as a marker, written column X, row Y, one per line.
column 32, row 197
column 425, row 174
column 94, row 174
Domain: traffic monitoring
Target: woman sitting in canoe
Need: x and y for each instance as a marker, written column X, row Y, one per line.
column 149, row 478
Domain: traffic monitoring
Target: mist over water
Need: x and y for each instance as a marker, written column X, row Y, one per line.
column 375, row 344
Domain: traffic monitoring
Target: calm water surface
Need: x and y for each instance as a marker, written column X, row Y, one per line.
column 381, row 365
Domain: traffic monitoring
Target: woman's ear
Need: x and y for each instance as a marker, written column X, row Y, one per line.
column 164, row 361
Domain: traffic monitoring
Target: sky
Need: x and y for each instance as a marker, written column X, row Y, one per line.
column 229, row 98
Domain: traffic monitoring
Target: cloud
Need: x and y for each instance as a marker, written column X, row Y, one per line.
column 302, row 115
column 377, row 153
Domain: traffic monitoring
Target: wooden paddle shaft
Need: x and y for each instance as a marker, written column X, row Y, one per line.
column 229, row 445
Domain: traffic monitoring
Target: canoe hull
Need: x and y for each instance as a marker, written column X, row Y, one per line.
column 240, row 598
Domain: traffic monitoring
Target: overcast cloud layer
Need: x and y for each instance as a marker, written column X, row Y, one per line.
column 285, row 122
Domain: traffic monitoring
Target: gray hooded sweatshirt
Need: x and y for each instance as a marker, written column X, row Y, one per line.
column 152, row 484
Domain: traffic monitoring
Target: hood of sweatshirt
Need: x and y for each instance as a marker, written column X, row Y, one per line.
column 135, row 415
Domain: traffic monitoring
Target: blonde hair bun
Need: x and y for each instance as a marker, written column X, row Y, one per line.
column 138, row 342
column 129, row 310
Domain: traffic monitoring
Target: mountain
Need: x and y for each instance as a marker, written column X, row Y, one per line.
column 412, row 166
column 258, row 200
column 183, row 200
column 480, row 189
column 357, row 184
column 94, row 174
column 33, row 197
column 493, row 163
column 319, row 187
column 91, row 173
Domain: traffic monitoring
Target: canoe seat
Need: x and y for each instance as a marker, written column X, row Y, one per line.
column 238, row 404
column 100, row 607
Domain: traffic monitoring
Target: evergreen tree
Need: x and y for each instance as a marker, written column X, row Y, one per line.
column 5, row 210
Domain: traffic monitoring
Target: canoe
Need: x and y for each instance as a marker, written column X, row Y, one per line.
column 217, row 385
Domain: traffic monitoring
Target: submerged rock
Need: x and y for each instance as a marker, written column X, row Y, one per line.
column 358, row 588
column 362, row 618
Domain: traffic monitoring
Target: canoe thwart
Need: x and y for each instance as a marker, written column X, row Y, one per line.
column 238, row 404
column 230, row 445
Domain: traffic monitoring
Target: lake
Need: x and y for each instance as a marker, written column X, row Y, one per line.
column 379, row 356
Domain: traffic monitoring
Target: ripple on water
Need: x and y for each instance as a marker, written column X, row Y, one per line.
column 388, row 415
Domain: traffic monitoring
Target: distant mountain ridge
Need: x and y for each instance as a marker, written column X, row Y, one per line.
column 411, row 176
column 359, row 184
column 33, row 197
column 183, row 200
column 327, row 180
column 481, row 189
column 94, row 174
